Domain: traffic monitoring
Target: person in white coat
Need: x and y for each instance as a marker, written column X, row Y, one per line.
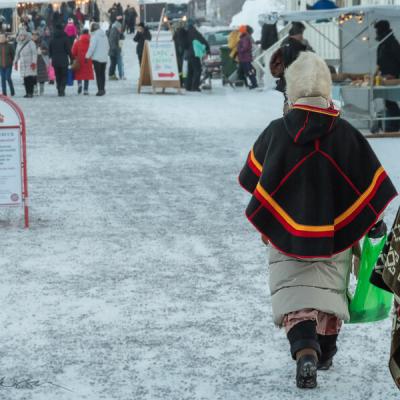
column 98, row 52
column 26, row 56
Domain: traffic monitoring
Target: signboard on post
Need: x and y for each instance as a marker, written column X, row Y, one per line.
column 13, row 169
column 159, row 67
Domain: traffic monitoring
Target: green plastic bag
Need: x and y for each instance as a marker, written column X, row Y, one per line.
column 369, row 303
column 199, row 49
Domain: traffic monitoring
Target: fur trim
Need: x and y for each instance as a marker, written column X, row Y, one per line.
column 319, row 101
column 308, row 76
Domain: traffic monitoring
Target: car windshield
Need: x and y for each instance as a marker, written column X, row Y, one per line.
column 176, row 8
column 219, row 38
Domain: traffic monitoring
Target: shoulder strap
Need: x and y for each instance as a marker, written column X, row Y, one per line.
column 22, row 47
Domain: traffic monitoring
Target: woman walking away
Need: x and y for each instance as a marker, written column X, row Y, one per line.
column 7, row 54
column 140, row 38
column 98, row 52
column 43, row 63
column 60, row 55
column 26, row 55
column 317, row 188
column 245, row 55
column 84, row 71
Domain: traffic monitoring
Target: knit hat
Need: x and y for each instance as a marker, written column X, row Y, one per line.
column 243, row 29
column 297, row 28
column 382, row 29
column 308, row 76
column 95, row 26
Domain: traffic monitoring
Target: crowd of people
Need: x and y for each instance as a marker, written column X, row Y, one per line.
column 52, row 45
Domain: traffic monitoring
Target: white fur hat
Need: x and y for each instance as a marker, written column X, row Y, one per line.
column 308, row 76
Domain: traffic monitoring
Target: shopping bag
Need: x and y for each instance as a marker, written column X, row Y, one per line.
column 70, row 77
column 185, row 68
column 369, row 303
column 51, row 73
column 199, row 49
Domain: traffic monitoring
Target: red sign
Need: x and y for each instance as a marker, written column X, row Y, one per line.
column 164, row 75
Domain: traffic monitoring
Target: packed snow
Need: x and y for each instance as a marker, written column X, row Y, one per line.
column 251, row 11
column 140, row 277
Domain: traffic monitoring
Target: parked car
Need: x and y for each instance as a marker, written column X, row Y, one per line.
column 213, row 63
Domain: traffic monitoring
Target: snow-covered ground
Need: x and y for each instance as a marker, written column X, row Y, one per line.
column 140, row 278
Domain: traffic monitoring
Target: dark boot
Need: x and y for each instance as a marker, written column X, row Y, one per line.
column 306, row 376
column 328, row 351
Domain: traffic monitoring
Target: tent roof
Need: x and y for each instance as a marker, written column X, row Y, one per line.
column 378, row 12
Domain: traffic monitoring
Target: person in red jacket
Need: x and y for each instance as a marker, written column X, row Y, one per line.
column 85, row 71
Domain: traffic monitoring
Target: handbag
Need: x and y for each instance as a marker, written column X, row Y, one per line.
column 70, row 77
column 51, row 73
column 76, row 65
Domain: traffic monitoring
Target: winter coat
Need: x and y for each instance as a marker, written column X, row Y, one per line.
column 317, row 186
column 98, row 47
column 269, row 36
column 114, row 38
column 192, row 35
column 319, row 284
column 26, row 54
column 70, row 30
column 233, row 41
column 59, row 49
column 43, row 62
column 179, row 39
column 7, row 55
column 389, row 56
column 140, row 38
column 79, row 51
column 245, row 48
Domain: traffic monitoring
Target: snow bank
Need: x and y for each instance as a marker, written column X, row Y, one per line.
column 252, row 9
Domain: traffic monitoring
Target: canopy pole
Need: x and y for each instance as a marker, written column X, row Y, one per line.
column 322, row 34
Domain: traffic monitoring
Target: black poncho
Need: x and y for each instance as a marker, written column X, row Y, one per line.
column 317, row 185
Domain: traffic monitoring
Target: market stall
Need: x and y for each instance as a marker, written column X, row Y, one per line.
column 356, row 85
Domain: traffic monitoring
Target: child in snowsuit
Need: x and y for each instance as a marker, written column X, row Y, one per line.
column 317, row 188
column 43, row 63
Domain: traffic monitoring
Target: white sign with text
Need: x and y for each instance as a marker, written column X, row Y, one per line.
column 10, row 167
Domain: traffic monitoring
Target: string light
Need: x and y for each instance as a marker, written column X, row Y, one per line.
column 348, row 17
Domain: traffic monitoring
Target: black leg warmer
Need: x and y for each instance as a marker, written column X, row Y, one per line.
column 328, row 346
column 304, row 336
